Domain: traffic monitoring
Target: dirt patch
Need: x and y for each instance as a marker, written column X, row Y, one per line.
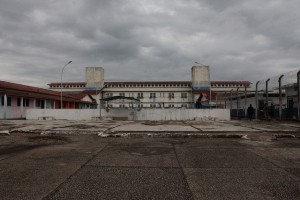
column 156, row 123
column 17, row 149
column 174, row 141
column 153, row 123
column 7, row 124
column 147, row 151
column 48, row 139
column 199, row 123
column 79, row 126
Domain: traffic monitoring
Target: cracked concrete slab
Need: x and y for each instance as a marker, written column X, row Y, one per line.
column 191, row 157
column 89, row 167
column 194, row 129
column 283, row 157
column 125, row 183
column 140, row 127
column 242, row 183
column 134, row 156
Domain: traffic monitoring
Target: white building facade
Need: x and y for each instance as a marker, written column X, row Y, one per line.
column 151, row 94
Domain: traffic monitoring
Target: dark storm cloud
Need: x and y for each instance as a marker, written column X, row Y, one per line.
column 147, row 40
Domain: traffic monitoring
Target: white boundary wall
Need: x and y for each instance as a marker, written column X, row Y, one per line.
column 144, row 114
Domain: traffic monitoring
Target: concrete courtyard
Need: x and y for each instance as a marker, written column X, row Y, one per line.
column 149, row 160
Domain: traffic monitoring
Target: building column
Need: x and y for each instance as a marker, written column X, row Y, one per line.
column 245, row 108
column 231, row 99
column 267, row 92
column 54, row 104
column 237, row 102
column 298, row 94
column 22, row 107
column 256, row 100
column 5, row 106
column 225, row 100
column 45, row 104
column 280, row 97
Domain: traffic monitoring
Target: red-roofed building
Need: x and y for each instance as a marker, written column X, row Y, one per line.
column 152, row 94
column 15, row 99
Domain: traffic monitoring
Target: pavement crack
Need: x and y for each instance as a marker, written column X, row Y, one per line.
column 181, row 168
column 76, row 171
column 109, row 130
column 196, row 128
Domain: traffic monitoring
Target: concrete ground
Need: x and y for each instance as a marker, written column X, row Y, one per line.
column 149, row 160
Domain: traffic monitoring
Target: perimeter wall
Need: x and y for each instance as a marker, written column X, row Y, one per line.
column 129, row 114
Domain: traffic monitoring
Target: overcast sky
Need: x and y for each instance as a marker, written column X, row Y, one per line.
column 144, row 40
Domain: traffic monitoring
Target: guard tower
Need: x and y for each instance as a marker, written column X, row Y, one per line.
column 94, row 78
column 200, row 78
column 201, row 85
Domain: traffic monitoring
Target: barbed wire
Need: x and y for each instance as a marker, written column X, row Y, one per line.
column 273, row 84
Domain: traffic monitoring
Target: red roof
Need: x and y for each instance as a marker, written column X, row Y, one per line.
column 151, row 82
column 146, row 82
column 232, row 82
column 80, row 95
column 15, row 89
column 68, row 83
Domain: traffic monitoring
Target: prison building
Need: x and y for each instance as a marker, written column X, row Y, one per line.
column 151, row 94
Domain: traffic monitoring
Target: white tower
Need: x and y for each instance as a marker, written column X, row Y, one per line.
column 94, row 78
column 200, row 78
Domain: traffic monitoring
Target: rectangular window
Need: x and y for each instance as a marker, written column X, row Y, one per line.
column 140, row 105
column 184, row 95
column 122, row 94
column 109, row 94
column 18, row 101
column 140, row 95
column 152, row 105
column 26, row 102
column 171, row 95
column 8, row 101
column 152, row 95
column 38, row 103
